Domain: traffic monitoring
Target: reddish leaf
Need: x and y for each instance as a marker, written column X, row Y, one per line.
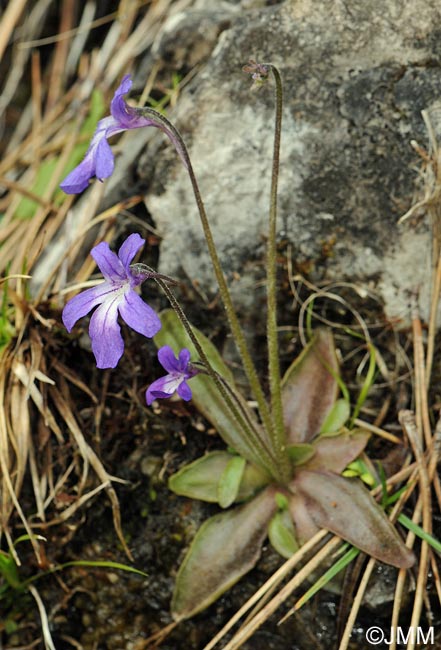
column 346, row 508
column 335, row 453
column 309, row 388
column 225, row 548
column 305, row 527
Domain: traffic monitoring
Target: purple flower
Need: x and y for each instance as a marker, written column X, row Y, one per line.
column 259, row 72
column 178, row 369
column 115, row 295
column 99, row 160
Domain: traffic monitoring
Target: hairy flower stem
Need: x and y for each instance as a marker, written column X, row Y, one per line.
column 278, row 432
column 235, row 327
column 251, row 432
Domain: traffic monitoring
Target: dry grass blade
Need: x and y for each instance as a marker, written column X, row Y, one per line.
column 48, row 643
column 248, row 629
column 155, row 640
column 350, row 623
column 14, row 448
column 269, row 585
column 329, row 295
column 21, row 371
column 9, row 21
column 424, row 503
column 377, row 431
column 32, row 24
column 90, row 456
column 74, row 379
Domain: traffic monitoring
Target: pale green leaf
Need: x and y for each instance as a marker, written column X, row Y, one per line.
column 282, row 534
column 230, row 480
column 336, row 418
column 300, row 453
column 9, row 571
column 200, row 479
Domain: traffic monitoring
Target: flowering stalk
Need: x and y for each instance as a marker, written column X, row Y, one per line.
column 99, row 162
column 249, row 368
column 279, row 435
column 251, row 432
column 259, row 73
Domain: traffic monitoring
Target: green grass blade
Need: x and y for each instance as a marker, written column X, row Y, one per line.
column 95, row 564
column 334, row 570
column 367, row 384
column 419, row 532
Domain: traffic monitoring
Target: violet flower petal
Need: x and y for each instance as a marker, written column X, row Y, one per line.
column 184, row 391
column 178, row 371
column 104, row 160
column 118, row 106
column 129, row 249
column 138, row 315
column 162, row 388
column 167, row 359
column 82, row 303
column 109, row 263
column 184, row 359
column 105, row 334
column 78, row 179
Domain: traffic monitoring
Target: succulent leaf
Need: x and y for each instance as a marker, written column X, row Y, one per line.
column 282, row 534
column 200, row 479
column 336, row 418
column 309, row 388
column 225, row 548
column 346, row 508
column 230, row 480
column 336, row 452
column 300, row 453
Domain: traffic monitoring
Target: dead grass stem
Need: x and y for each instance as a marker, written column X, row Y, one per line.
column 37, row 412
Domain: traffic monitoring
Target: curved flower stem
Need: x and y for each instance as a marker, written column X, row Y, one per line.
column 236, row 329
column 251, row 432
column 279, row 436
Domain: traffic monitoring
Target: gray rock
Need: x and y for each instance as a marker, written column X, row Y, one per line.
column 356, row 77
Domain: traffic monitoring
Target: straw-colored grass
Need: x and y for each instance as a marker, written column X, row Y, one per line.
column 46, row 245
column 43, row 254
